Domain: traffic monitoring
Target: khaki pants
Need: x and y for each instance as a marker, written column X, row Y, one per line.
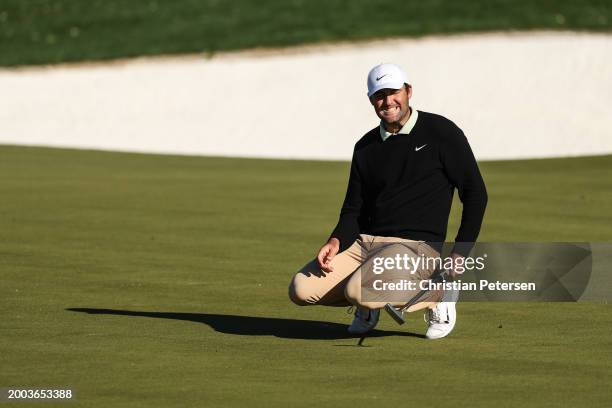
column 342, row 286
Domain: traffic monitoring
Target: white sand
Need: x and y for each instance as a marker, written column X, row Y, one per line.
column 515, row 96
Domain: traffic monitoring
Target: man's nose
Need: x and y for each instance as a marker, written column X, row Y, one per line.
column 388, row 99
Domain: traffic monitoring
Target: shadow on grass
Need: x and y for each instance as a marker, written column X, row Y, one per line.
column 256, row 326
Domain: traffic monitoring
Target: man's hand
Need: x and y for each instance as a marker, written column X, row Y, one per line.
column 458, row 262
column 327, row 253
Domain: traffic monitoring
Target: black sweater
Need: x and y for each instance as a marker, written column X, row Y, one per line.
column 395, row 190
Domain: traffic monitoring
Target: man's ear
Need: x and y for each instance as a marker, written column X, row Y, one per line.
column 408, row 90
column 371, row 100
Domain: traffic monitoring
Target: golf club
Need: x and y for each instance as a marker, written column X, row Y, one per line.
column 397, row 314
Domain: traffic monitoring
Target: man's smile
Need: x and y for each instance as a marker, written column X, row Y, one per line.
column 391, row 110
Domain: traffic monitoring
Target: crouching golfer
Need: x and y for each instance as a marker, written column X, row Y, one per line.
column 400, row 189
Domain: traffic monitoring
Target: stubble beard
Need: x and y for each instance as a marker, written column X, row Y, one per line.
column 398, row 122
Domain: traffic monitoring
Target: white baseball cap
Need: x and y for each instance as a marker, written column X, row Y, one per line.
column 385, row 76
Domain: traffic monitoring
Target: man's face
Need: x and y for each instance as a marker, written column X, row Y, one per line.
column 391, row 105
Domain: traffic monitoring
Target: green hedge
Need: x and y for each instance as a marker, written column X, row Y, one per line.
column 44, row 31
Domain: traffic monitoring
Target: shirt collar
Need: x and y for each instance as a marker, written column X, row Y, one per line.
column 406, row 129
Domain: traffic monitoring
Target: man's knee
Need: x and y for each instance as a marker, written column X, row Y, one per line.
column 299, row 292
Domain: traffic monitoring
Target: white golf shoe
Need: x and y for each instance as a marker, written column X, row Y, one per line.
column 441, row 319
column 364, row 321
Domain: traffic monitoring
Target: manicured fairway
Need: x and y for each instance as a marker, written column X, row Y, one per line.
column 158, row 281
column 52, row 31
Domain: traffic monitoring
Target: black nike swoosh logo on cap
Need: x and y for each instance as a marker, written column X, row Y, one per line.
column 381, row 77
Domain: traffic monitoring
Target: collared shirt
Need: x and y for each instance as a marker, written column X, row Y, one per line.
column 407, row 128
column 403, row 187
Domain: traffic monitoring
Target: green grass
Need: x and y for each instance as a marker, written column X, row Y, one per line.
column 183, row 264
column 52, row 31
